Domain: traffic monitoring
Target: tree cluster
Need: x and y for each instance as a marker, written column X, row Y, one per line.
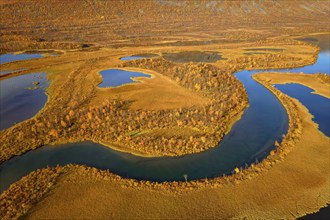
column 114, row 122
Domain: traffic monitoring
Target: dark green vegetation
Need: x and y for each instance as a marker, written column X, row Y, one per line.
column 193, row 56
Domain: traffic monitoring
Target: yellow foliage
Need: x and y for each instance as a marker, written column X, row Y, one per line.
column 63, row 123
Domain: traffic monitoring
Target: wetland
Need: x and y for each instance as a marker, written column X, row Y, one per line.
column 165, row 108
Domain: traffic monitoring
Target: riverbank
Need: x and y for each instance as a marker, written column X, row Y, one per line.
column 124, row 149
column 71, row 115
column 286, row 189
column 318, row 82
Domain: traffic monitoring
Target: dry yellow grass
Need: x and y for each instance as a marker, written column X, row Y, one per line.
column 291, row 188
column 156, row 93
column 281, row 190
column 157, row 133
column 75, row 75
column 310, row 80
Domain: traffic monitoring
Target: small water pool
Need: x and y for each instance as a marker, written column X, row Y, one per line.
column 6, row 58
column 21, row 98
column 116, row 77
column 317, row 105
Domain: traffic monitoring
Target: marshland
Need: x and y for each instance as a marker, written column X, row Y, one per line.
column 164, row 109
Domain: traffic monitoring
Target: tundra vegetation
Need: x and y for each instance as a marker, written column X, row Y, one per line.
column 16, row 201
column 96, row 34
column 320, row 82
column 140, row 130
column 113, row 122
column 88, row 121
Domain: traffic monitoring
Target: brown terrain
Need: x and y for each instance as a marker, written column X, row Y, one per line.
column 117, row 24
column 187, row 106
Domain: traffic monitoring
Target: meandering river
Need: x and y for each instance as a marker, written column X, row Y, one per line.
column 250, row 139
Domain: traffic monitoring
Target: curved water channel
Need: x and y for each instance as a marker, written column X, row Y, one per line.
column 250, row 139
column 317, row 105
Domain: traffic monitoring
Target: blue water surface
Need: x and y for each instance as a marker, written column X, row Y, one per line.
column 322, row 65
column 116, row 77
column 132, row 58
column 5, row 58
column 250, row 139
column 19, row 100
column 318, row 106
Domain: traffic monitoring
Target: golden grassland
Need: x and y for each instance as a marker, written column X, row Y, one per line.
column 74, row 111
column 291, row 181
column 74, row 99
column 286, row 187
column 73, row 85
column 155, row 93
column 318, row 82
column 72, row 114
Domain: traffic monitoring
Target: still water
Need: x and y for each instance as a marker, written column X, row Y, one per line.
column 317, row 105
column 21, row 98
column 116, row 77
column 6, row 58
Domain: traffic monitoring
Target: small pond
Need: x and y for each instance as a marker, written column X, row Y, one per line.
column 6, row 58
column 317, row 105
column 21, row 98
column 116, row 77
